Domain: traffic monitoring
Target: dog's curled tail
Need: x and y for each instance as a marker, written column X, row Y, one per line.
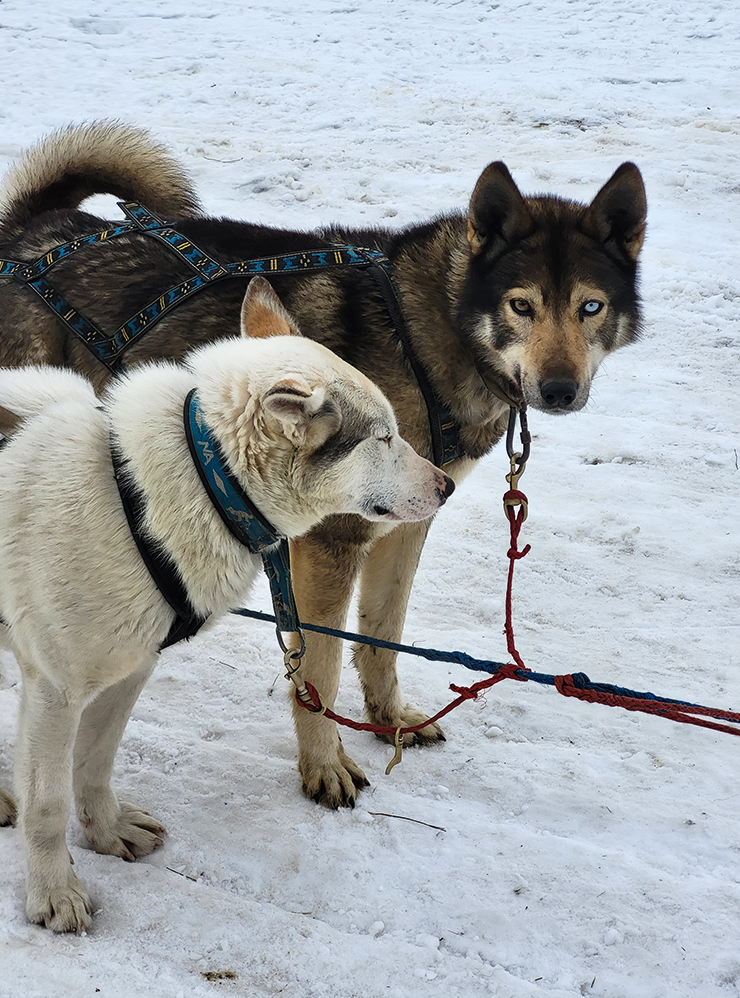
column 102, row 157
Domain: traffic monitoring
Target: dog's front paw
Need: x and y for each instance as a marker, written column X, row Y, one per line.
column 408, row 717
column 62, row 908
column 8, row 812
column 132, row 832
column 334, row 782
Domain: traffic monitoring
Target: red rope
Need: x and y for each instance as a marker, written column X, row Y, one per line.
column 516, row 519
column 662, row 708
column 565, row 685
column 465, row 693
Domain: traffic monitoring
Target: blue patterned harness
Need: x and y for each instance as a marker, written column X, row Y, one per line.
column 110, row 348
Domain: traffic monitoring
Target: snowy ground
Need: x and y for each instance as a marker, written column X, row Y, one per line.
column 584, row 850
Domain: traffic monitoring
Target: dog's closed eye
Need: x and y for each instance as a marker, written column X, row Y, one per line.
column 9, row 421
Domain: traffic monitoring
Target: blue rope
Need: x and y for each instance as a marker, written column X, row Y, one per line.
column 431, row 654
column 580, row 680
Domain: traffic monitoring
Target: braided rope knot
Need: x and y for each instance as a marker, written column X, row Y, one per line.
column 514, row 498
column 470, row 692
column 572, row 686
column 315, row 705
column 508, row 671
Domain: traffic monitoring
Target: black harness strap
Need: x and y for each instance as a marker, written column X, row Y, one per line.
column 161, row 567
column 444, row 431
column 109, row 349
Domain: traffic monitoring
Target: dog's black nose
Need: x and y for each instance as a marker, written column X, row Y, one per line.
column 559, row 394
column 448, row 489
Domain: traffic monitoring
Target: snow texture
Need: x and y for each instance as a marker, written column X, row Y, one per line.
column 581, row 850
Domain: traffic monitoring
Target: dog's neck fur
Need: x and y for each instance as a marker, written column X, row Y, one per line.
column 148, row 426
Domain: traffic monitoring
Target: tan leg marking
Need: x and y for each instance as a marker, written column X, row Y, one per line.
column 323, row 580
column 386, row 580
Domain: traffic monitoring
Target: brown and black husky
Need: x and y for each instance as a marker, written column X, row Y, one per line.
column 518, row 297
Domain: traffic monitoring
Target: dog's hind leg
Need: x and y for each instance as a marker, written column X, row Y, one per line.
column 323, row 578
column 385, row 585
column 48, row 724
column 113, row 827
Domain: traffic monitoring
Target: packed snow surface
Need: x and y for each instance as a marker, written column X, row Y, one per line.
column 549, row 848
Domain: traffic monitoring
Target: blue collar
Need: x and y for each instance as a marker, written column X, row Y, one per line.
column 239, row 513
column 232, row 503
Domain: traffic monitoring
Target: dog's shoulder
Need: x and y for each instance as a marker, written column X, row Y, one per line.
column 150, row 396
column 27, row 392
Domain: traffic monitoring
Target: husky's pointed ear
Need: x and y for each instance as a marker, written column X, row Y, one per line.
column 263, row 313
column 498, row 214
column 616, row 216
column 293, row 403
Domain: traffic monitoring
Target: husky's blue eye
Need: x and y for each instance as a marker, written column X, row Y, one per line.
column 592, row 307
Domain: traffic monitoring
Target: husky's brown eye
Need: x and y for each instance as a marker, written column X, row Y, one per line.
column 521, row 306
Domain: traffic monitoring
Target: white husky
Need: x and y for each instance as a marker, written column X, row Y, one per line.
column 304, row 435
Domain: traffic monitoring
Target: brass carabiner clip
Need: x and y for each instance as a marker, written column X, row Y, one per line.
column 517, row 470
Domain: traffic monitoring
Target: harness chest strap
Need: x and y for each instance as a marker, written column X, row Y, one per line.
column 161, row 567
